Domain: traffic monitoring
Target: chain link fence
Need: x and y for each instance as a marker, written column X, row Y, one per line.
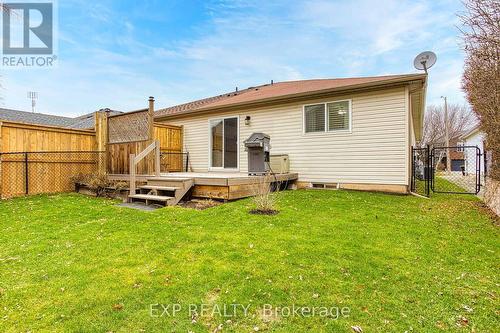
column 463, row 173
column 454, row 170
column 28, row 173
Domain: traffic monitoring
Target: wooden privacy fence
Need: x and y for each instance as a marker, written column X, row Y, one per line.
column 45, row 172
column 43, row 159
column 18, row 137
column 123, row 142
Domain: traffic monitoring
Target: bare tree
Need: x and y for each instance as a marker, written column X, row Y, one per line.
column 481, row 78
column 460, row 120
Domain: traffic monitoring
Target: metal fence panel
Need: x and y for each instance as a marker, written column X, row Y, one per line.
column 28, row 173
column 174, row 162
column 460, row 175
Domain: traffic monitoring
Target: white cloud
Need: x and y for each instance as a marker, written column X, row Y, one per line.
column 244, row 44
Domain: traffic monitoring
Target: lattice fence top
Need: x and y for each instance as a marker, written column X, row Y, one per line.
column 129, row 127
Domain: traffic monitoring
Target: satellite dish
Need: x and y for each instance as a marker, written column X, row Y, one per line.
column 425, row 60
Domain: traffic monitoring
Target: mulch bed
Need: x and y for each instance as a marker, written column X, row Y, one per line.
column 264, row 212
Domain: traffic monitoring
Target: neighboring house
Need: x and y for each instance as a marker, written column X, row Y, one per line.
column 86, row 121
column 474, row 138
column 457, row 155
column 355, row 132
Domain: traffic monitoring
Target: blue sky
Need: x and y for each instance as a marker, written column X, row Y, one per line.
column 117, row 53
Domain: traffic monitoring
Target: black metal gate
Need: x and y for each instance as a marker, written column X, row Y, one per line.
column 461, row 174
column 454, row 170
column 421, row 171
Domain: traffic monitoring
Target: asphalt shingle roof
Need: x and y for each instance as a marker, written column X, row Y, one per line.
column 83, row 122
column 278, row 90
column 34, row 118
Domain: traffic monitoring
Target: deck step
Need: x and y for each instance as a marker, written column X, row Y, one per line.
column 170, row 179
column 151, row 197
column 182, row 183
column 159, row 188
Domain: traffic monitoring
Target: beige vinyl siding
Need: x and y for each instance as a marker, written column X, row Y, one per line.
column 374, row 152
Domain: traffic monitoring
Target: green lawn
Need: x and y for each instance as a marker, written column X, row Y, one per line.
column 398, row 263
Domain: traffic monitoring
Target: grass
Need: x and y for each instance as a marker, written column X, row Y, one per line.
column 441, row 185
column 399, row 263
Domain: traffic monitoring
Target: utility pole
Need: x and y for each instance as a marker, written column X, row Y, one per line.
column 446, row 134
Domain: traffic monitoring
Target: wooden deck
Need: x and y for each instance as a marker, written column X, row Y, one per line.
column 219, row 185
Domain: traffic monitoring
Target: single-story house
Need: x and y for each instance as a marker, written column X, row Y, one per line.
column 354, row 133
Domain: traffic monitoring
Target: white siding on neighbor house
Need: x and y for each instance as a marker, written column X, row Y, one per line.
column 475, row 140
column 376, row 151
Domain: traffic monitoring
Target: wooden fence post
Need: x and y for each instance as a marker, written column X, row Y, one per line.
column 106, row 139
column 101, row 133
column 151, row 118
column 132, row 174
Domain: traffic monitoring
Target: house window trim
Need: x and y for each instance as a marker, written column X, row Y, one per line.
column 327, row 119
column 222, row 169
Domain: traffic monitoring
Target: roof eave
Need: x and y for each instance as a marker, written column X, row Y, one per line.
column 310, row 94
column 418, row 92
column 474, row 130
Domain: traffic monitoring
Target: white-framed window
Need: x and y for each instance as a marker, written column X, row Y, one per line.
column 328, row 117
column 314, row 118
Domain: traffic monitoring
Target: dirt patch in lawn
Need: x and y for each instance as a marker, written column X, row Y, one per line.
column 264, row 212
column 200, row 204
column 485, row 209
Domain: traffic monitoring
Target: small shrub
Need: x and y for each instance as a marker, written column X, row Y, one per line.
column 120, row 185
column 98, row 183
column 265, row 200
column 80, row 179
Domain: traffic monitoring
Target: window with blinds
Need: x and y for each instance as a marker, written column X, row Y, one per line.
column 338, row 116
column 315, row 119
column 327, row 117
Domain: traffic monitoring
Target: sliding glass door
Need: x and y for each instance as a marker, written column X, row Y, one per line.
column 224, row 143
